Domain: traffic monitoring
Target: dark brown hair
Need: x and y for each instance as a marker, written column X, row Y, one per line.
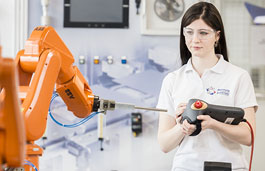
column 210, row 15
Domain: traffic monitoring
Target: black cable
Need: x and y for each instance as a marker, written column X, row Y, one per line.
column 244, row 120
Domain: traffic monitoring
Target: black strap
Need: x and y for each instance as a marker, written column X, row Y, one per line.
column 198, row 128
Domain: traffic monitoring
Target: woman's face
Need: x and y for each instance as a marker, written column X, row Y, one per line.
column 200, row 38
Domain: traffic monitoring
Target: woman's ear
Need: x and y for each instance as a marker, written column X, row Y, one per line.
column 217, row 36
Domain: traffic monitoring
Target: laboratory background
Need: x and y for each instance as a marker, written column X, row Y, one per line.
column 124, row 49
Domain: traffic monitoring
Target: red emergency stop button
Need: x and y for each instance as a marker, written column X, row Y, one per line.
column 198, row 104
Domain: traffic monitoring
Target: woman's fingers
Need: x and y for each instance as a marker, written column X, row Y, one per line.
column 178, row 119
column 182, row 105
column 180, row 109
column 188, row 128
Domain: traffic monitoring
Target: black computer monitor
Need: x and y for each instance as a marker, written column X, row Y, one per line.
column 96, row 13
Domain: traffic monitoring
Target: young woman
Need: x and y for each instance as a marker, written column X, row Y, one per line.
column 206, row 74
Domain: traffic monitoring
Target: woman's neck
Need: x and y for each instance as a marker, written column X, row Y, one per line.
column 200, row 64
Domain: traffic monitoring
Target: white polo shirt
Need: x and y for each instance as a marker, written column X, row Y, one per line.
column 224, row 84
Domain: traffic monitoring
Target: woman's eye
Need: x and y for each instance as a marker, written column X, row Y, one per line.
column 203, row 33
column 190, row 32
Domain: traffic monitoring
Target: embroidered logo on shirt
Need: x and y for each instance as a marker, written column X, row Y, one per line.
column 225, row 92
column 211, row 90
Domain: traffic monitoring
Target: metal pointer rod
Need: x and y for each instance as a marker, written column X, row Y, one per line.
column 131, row 106
column 149, row 108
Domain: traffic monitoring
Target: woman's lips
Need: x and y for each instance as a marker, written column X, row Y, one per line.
column 196, row 48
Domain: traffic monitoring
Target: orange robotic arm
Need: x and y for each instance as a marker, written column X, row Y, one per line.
column 12, row 132
column 44, row 62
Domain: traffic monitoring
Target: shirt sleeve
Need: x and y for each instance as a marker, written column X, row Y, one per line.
column 245, row 95
column 165, row 100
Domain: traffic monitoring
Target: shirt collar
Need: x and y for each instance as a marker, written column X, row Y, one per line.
column 218, row 68
column 189, row 66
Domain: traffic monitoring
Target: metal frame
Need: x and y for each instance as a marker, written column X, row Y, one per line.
column 123, row 24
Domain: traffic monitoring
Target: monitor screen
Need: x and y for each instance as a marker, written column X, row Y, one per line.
column 96, row 13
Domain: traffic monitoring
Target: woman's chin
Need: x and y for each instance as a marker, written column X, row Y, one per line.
column 198, row 54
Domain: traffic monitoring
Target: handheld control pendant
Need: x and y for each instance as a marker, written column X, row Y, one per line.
column 226, row 114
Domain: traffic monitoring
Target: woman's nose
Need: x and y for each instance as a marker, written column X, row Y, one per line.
column 195, row 37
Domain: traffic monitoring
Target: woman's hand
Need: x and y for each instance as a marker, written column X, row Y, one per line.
column 180, row 109
column 186, row 128
column 207, row 122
